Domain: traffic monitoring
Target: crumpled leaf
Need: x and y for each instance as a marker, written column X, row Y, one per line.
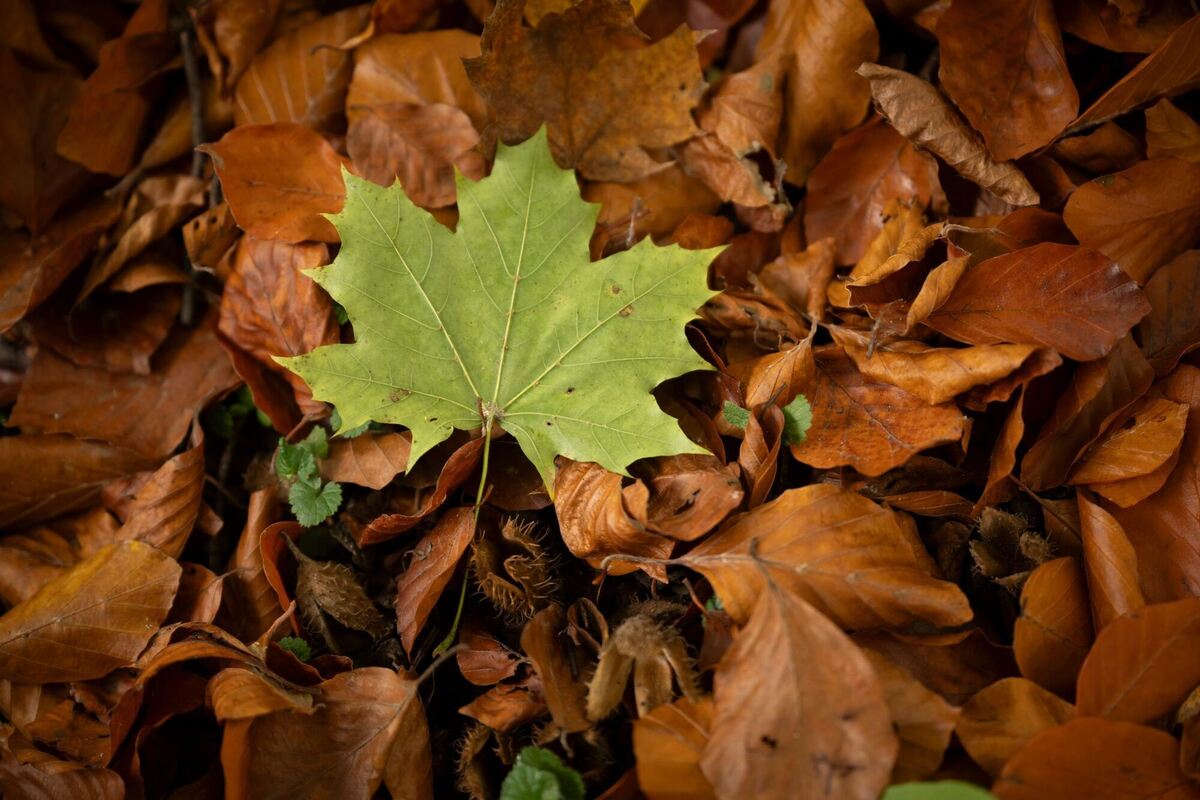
column 998, row 721
column 668, row 743
column 371, row 459
column 92, row 619
column 27, row 773
column 231, row 33
column 164, row 510
column 543, row 641
column 1172, row 328
column 604, row 92
column 924, row 117
column 464, row 317
column 432, row 564
column 1002, row 63
column 1170, row 133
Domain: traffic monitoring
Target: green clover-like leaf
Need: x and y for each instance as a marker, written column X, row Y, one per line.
column 312, row 502
column 506, row 319
column 539, row 774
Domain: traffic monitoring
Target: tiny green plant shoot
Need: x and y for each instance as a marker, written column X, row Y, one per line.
column 539, row 774
column 797, row 418
column 312, row 500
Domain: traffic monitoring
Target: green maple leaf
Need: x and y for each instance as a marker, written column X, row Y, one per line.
column 507, row 320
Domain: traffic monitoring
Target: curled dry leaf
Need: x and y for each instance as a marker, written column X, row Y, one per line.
column 33, row 557
column 923, row 720
column 689, row 495
column 1102, row 24
column 543, row 642
column 1148, row 437
column 1000, row 720
column 302, row 76
column 792, row 725
column 432, row 564
column 231, row 33
column 668, row 744
column 1111, row 565
column 238, row 693
column 923, row 116
column 27, row 773
column 278, row 180
column 836, row 549
column 1172, row 328
column 1053, row 633
column 605, row 94
column 1002, row 63
column 254, row 604
column 90, row 620
column 164, row 510
column 199, row 596
column 865, row 423
column 1142, row 217
column 1170, row 133
column 371, row 459
column 1095, row 302
column 1097, row 758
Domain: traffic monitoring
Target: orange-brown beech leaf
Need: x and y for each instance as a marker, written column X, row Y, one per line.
column 432, row 564
column 1170, row 133
column 231, row 33
column 1000, row 720
column 426, row 498
column 253, row 603
column 689, row 494
column 301, row 77
column 371, row 459
column 1003, row 65
column 864, row 171
column 1131, row 491
column 31, row 268
column 728, row 175
column 1070, row 299
column 164, row 510
column 90, row 620
column 934, row 374
column 819, row 44
column 668, row 743
column 368, row 730
column 938, row 286
column 1099, row 759
column 998, row 486
column 777, row 378
column 422, row 146
column 656, row 205
column 758, row 455
column 1143, row 664
column 543, row 641
column 482, row 658
column 270, row 308
column 189, row 370
column 27, row 773
column 1141, row 217
column 1172, row 328
column 1099, row 393
column 605, row 94
column 44, row 476
column 598, row 518
column 802, row 278
column 1108, row 148
column 955, row 669
column 278, row 180
column 1053, row 633
column 199, row 596
column 39, row 180
column 838, row 550
column 865, row 423
column 238, row 693
column 923, row 720
column 113, row 100
column 925, row 117
column 1161, row 525
column 1143, row 442
column 788, row 724
column 119, row 333
column 1173, row 68
column 1111, row 565
column 508, row 706
column 1102, row 24
column 31, row 558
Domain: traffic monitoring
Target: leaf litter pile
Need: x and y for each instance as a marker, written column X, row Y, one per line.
column 549, row 399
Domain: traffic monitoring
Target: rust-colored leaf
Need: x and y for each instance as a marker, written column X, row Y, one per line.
column 1170, row 133
column 1111, row 565
column 1000, row 720
column 164, row 510
column 432, row 564
column 237, row 693
column 668, row 744
column 923, row 720
column 371, row 459
column 1053, row 633
column 1150, row 434
column 566, row 696
column 1172, row 328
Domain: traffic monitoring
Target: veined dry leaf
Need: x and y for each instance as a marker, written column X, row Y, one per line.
column 864, row 171
column 59, row 397
column 44, row 476
column 238, row 693
column 604, row 92
column 820, row 44
column 1098, row 394
column 199, row 596
column 668, row 743
column 1053, row 633
column 371, row 459
column 278, row 180
column 938, row 286
column 1099, row 759
column 368, row 730
column 998, row 487
column 791, row 725
column 164, row 510
column 270, row 308
column 566, row 696
column 1111, row 565
column 999, row 721
column 90, row 620
column 923, row 116
column 802, row 279
column 301, row 77
column 1108, row 148
column 1149, row 436
column 432, row 564
column 934, row 374
column 1173, row 68
column 119, row 333
column 865, row 423
column 255, row 605
column 1143, row 664
column 729, row 176
column 1103, row 24
column 1172, row 328
column 656, row 205
column 1170, row 133
column 777, row 378
column 689, row 495
column 31, row 558
column 1093, row 302
column 231, row 33
column 1003, row 65
column 27, row 773
column 836, row 549
column 923, row 720
column 1142, row 217
column 955, row 670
